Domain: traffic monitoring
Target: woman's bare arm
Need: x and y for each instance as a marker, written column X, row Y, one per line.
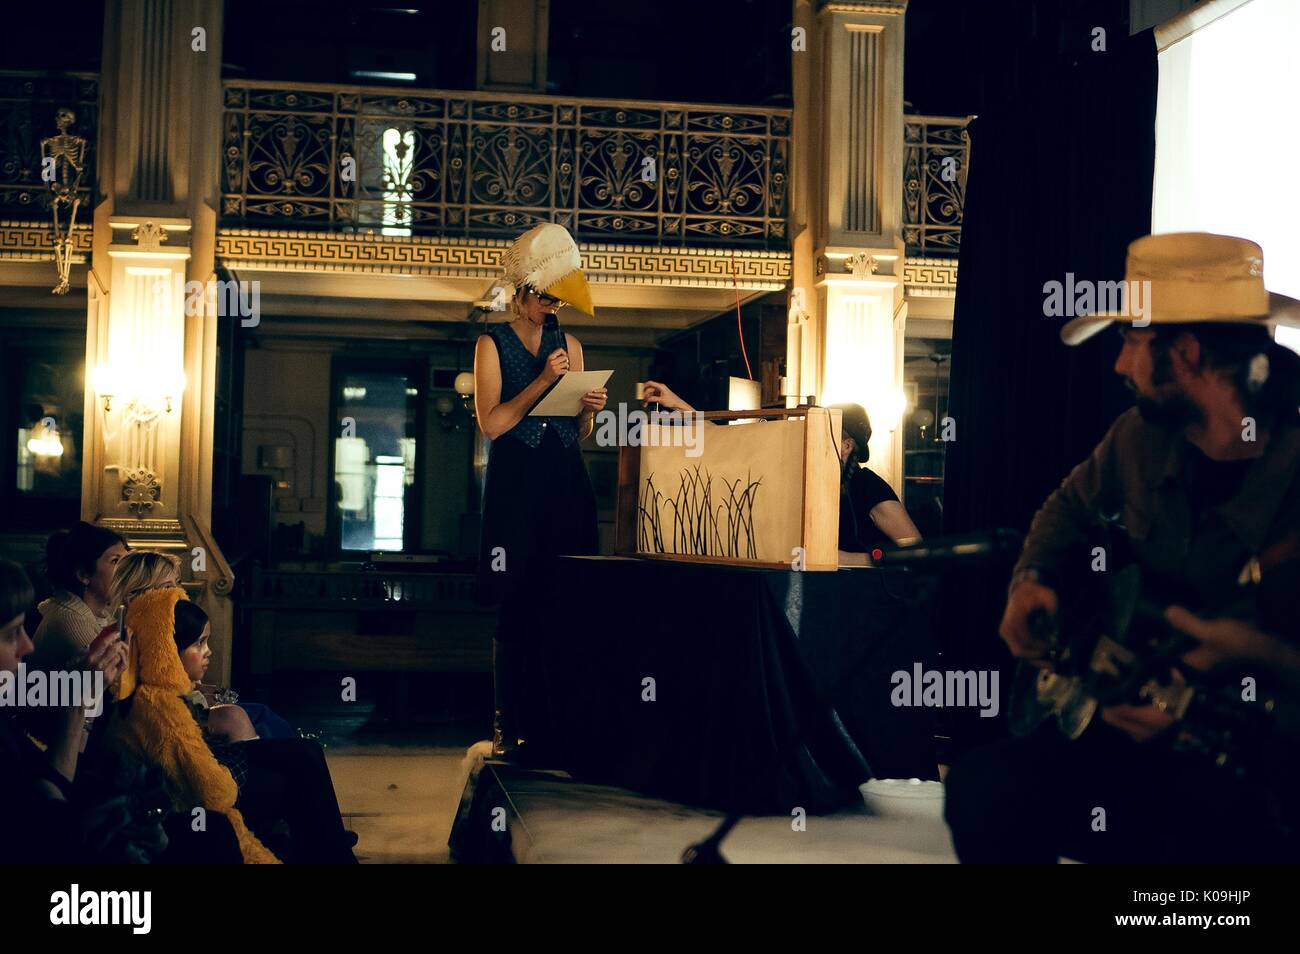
column 495, row 417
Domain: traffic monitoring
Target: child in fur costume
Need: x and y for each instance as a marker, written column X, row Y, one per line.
column 155, row 724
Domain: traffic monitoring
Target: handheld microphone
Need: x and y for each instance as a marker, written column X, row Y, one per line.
column 551, row 332
column 551, row 329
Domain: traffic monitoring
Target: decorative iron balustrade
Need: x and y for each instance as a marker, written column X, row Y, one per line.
column 936, row 157
column 365, row 589
column 28, row 103
column 474, row 164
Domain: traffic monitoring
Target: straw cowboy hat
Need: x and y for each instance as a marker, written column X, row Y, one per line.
column 546, row 259
column 1193, row 276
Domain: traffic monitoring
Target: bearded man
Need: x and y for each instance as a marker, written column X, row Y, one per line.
column 1202, row 478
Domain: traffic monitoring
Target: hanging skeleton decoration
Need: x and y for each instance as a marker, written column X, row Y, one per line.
column 62, row 162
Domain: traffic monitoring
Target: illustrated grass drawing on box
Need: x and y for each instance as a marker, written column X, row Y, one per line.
column 694, row 523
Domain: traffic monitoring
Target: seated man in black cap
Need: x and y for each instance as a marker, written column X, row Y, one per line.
column 1201, row 483
column 871, row 515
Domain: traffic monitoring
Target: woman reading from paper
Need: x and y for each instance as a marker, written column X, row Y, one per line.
column 538, row 500
column 871, row 514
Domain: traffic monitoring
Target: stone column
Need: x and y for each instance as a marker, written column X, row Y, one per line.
column 847, row 309
column 151, row 323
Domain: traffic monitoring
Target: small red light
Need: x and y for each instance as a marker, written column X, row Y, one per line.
column 877, row 553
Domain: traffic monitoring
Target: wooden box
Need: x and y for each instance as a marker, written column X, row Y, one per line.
column 754, row 488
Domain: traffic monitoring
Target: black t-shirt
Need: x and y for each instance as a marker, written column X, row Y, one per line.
column 861, row 492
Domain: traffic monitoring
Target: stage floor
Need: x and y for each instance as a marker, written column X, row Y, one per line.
column 553, row 819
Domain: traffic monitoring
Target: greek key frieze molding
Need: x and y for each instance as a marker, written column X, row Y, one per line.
column 369, row 255
column 33, row 242
column 930, row 277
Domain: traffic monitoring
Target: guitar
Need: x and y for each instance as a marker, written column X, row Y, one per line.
column 1111, row 645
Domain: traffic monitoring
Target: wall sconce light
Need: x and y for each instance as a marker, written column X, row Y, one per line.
column 923, row 417
column 446, row 409
column 464, row 386
column 45, row 441
column 105, row 382
column 888, row 408
column 144, row 388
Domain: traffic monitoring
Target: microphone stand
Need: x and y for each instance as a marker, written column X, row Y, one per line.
column 709, row 851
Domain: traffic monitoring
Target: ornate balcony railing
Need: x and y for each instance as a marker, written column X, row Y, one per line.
column 484, row 165
column 338, row 589
column 936, row 155
column 28, row 103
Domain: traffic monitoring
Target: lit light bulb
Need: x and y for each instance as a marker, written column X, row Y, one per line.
column 887, row 407
column 105, row 379
column 47, row 443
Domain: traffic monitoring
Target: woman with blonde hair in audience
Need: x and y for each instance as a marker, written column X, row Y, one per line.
column 140, row 571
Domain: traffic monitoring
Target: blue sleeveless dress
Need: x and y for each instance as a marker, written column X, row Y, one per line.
column 537, row 500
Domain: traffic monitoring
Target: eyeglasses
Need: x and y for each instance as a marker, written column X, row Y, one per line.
column 547, row 300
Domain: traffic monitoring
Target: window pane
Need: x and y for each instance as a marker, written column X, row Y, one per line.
column 374, row 457
column 48, row 432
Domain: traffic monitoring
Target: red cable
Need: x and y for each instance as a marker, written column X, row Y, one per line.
column 740, row 332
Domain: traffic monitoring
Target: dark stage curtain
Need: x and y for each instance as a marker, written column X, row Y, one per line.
column 1062, row 158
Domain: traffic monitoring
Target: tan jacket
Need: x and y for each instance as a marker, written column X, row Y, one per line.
column 68, row 627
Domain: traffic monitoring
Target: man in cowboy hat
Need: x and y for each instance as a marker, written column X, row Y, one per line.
column 1203, row 480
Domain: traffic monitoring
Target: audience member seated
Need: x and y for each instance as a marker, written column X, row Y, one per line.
column 279, row 780
column 79, row 564
column 143, row 570
column 152, row 722
column 36, row 812
column 282, row 787
column 222, row 723
column 52, row 808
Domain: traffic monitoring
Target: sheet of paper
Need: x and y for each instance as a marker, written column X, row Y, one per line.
column 565, row 399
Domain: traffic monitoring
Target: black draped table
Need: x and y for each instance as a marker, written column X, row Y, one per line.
column 771, row 689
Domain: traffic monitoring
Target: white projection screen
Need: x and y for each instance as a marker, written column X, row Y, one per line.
column 1228, row 131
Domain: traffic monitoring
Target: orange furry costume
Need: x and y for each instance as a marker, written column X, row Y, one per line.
column 159, row 727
